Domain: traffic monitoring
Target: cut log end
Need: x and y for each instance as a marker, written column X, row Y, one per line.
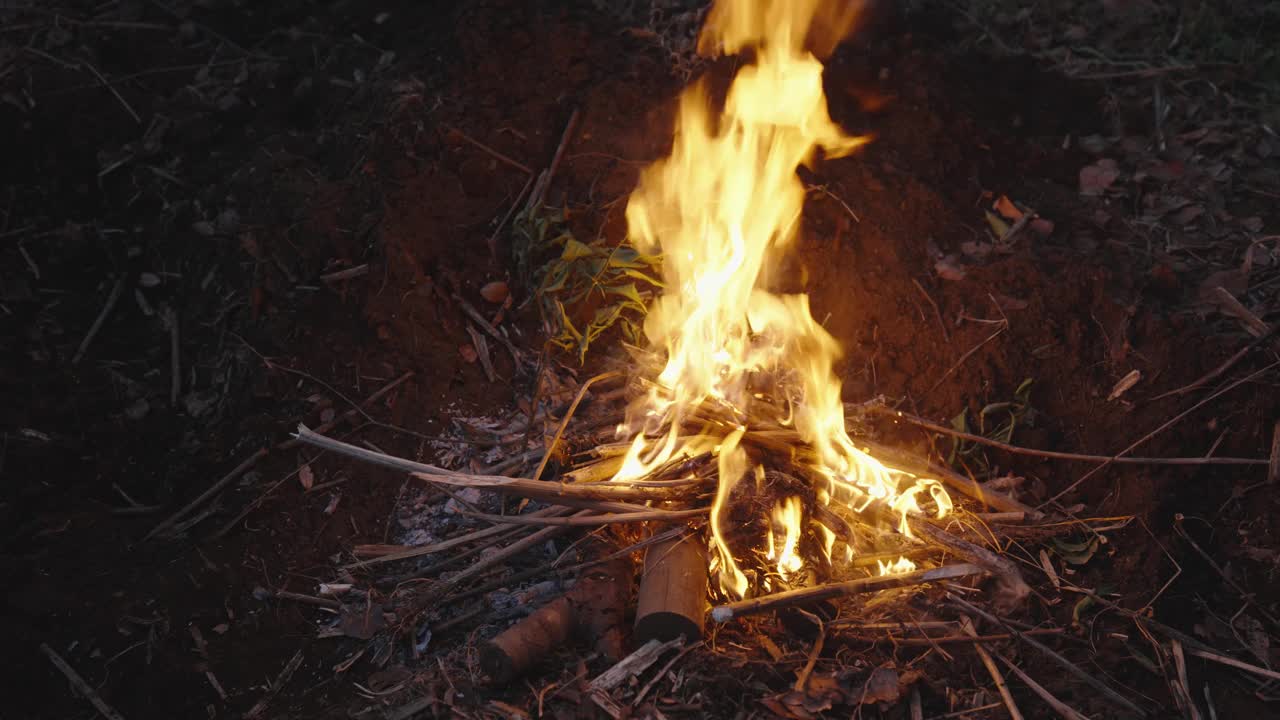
column 666, row 626
column 673, row 591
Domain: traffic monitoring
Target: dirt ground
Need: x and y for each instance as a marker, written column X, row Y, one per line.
column 196, row 169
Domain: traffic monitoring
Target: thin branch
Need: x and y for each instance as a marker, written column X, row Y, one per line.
column 1162, row 428
column 1018, row 450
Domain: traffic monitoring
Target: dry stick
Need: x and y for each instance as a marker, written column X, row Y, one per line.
column 551, row 566
column 818, row 593
column 580, row 520
column 1012, row 587
column 497, row 155
column 311, row 437
column 515, row 205
column 564, row 422
column 1232, row 662
column 444, row 545
column 969, row 711
column 1273, row 466
column 1066, row 664
column 216, row 488
column 175, row 360
column 453, row 558
column 1252, row 323
column 552, row 491
column 994, row 671
column 1017, row 450
column 289, row 669
column 488, row 327
column 544, row 182
column 112, row 299
column 1162, row 428
column 348, row 414
column 78, row 682
column 1064, row 710
column 930, row 640
column 1217, row 372
column 662, row 672
column 936, row 312
column 507, row 552
column 1244, row 594
column 966, row 356
column 347, row 274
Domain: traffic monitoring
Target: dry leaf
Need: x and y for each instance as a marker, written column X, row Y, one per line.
column 882, row 686
column 495, row 292
column 468, row 353
column 949, row 269
column 306, row 477
column 1041, row 227
column 1096, row 178
column 1007, row 209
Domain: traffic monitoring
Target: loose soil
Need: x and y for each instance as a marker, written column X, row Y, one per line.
column 301, row 168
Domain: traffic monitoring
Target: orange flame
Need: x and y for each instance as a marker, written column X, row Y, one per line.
column 722, row 209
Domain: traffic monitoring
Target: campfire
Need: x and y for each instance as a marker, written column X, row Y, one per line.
column 726, row 445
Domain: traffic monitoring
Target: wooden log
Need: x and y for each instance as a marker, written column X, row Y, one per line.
column 818, row 593
column 594, row 609
column 673, row 590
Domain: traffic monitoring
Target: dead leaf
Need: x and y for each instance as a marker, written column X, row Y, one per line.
column 495, row 292
column 1187, row 214
column 362, row 622
column 221, row 628
column 881, row 686
column 948, row 269
column 306, row 477
column 1041, row 227
column 1007, row 209
column 1096, row 178
column 468, row 353
column 1233, row 281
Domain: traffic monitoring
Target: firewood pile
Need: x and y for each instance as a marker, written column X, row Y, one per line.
column 640, row 586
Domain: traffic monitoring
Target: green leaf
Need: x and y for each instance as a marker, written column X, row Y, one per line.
column 574, row 249
column 628, row 291
column 641, row 276
column 1076, row 553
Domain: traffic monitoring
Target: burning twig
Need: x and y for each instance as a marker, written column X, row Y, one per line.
column 818, row 593
column 85, row 689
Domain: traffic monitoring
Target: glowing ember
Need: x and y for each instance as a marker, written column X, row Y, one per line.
column 722, row 209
